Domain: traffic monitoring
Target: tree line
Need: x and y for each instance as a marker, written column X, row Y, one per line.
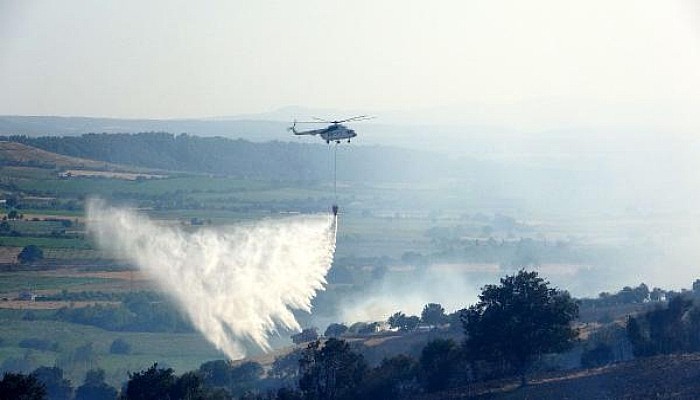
column 504, row 332
column 284, row 161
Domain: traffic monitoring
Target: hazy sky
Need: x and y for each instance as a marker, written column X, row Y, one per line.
column 547, row 60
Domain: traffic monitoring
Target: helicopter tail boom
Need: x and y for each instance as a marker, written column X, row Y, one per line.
column 296, row 132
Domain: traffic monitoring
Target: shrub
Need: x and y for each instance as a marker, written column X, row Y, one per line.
column 30, row 254
column 120, row 346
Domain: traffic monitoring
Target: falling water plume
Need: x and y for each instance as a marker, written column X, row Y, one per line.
column 236, row 283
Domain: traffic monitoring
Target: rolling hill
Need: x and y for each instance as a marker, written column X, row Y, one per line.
column 18, row 154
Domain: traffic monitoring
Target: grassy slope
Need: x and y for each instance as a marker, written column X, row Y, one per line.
column 661, row 377
column 17, row 153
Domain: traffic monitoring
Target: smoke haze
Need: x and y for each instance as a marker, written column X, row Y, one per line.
column 237, row 284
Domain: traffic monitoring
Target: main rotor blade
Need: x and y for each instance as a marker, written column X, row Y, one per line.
column 325, row 121
column 358, row 118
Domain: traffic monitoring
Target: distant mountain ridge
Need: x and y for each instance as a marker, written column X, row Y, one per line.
column 256, row 130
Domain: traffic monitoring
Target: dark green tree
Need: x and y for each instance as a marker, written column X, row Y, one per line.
column 331, row 371
column 30, row 253
column 438, row 362
column 335, row 330
column 152, row 384
column 402, row 322
column 519, row 320
column 395, row 378
column 665, row 330
column 396, row 320
column 433, row 314
column 189, row 386
column 95, row 388
column 245, row 377
column 160, row 384
column 286, row 368
column 57, row 388
column 21, row 387
column 216, row 373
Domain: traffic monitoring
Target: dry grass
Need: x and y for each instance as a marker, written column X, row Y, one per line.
column 129, row 176
column 17, row 153
column 8, row 255
column 661, row 377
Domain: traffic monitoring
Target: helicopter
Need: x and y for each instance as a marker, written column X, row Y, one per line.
column 335, row 132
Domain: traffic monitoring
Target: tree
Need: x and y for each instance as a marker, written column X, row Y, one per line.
column 306, row 335
column 216, row 373
column 665, row 330
column 57, row 388
column 438, row 360
column 160, row 384
column 410, row 323
column 120, row 346
column 189, row 386
column 696, row 286
column 394, row 378
column 396, row 321
column 402, row 322
column 433, row 314
column 152, row 384
column 245, row 377
column 95, row 388
column 331, row 372
column 21, row 387
column 519, row 320
column 30, row 253
column 286, row 368
column 335, row 330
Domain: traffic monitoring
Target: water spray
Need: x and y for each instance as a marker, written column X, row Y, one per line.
column 236, row 284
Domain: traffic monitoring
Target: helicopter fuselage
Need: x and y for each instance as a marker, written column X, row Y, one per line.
column 333, row 133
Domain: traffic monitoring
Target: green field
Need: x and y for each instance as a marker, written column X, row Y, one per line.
column 15, row 281
column 47, row 243
column 182, row 352
column 439, row 220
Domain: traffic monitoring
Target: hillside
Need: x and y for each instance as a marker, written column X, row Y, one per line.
column 284, row 161
column 18, row 154
column 14, row 153
column 661, row 377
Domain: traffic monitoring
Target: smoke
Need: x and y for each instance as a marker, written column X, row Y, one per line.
column 409, row 290
column 237, row 284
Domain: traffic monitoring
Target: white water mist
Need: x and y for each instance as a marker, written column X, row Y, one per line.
column 236, row 283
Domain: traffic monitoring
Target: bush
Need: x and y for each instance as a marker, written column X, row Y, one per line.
column 30, row 254
column 120, row 346
column 597, row 356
